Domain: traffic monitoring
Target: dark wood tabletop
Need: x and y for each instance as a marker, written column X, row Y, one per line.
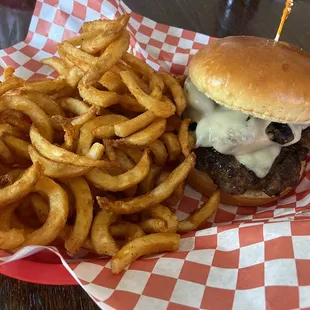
column 216, row 18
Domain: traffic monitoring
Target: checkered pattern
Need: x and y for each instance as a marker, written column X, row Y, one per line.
column 244, row 258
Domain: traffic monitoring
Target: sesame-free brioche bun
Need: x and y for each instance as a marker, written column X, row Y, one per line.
column 201, row 182
column 257, row 76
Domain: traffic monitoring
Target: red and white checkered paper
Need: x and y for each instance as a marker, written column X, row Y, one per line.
column 245, row 258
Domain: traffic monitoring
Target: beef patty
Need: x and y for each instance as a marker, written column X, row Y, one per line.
column 234, row 178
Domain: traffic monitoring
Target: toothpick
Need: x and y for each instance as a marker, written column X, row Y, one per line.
column 286, row 12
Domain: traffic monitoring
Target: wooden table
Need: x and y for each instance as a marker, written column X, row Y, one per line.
column 217, row 18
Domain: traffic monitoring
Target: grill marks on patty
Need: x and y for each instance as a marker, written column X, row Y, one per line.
column 234, row 178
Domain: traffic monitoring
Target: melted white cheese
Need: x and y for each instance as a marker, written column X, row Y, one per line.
column 233, row 132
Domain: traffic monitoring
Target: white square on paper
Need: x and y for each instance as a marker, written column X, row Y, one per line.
column 142, row 38
column 304, row 297
column 177, row 32
column 190, row 192
column 38, row 41
column 104, row 306
column 206, row 232
column 134, row 281
column 304, row 202
column 185, row 43
column 87, row 271
column 159, row 35
column 187, row 244
column 20, row 45
column 276, row 230
column 201, row 38
column 98, row 291
column 281, row 272
column 41, row 55
column 93, row 15
column 148, row 22
column 222, row 278
column 301, row 246
column 66, row 6
column 228, row 240
column 19, row 57
column 283, row 211
column 134, row 24
column 187, row 293
column 204, row 257
column 82, row 2
column 251, row 255
column 46, row 70
column 168, row 48
column 33, row 23
column 47, row 12
column 151, row 303
column 73, row 23
column 56, row 32
column 108, row 9
column 180, row 59
column 253, row 299
column 169, row 267
column 23, row 72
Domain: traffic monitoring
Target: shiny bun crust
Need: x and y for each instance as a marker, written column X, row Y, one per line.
column 201, row 182
column 260, row 77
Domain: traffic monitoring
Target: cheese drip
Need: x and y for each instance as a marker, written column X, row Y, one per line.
column 233, row 132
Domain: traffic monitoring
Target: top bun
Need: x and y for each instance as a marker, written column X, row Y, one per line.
column 258, row 76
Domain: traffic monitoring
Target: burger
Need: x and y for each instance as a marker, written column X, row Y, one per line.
column 249, row 102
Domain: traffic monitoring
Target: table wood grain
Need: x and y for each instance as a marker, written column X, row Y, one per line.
column 217, row 18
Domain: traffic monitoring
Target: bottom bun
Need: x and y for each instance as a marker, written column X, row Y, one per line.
column 201, row 182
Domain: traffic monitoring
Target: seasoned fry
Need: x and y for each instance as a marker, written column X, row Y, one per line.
column 201, row 215
column 16, row 119
column 58, row 64
column 113, row 82
column 98, row 43
column 108, row 130
column 10, row 83
column 40, row 207
column 177, row 92
column 106, row 26
column 21, row 187
column 172, row 144
column 184, row 137
column 11, row 238
column 18, row 146
column 129, row 127
column 74, row 76
column 6, row 215
column 109, row 150
column 159, row 108
column 58, row 154
column 108, row 58
column 49, row 106
column 101, row 239
column 78, row 57
column 159, row 151
column 84, row 213
column 134, row 153
column 150, row 244
column 138, row 65
column 99, row 98
column 156, row 196
column 8, row 72
column 149, row 181
column 121, row 182
column 54, row 169
column 57, row 216
column 126, row 230
column 86, row 132
column 145, row 136
column 28, row 107
column 130, row 103
column 46, row 86
column 164, row 214
column 5, row 154
column 73, row 105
